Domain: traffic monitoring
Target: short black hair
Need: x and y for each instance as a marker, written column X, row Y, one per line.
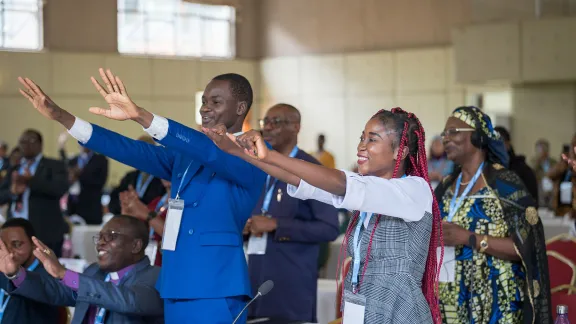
column 22, row 223
column 36, row 133
column 503, row 133
column 140, row 230
column 240, row 87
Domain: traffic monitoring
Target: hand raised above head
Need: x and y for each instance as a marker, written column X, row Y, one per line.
column 571, row 162
column 121, row 107
column 39, row 99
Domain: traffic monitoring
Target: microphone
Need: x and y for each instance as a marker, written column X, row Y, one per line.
column 472, row 244
column 262, row 290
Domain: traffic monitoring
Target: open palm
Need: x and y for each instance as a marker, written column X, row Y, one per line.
column 39, row 99
column 120, row 106
column 7, row 264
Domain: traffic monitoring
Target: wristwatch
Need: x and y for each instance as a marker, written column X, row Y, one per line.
column 151, row 216
column 484, row 244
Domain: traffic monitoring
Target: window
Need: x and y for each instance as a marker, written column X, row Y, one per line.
column 21, row 24
column 175, row 28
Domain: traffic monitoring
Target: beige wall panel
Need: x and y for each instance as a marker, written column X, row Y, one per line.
column 322, row 75
column 36, row 66
column 280, row 77
column 543, row 111
column 135, row 72
column 342, row 25
column 421, row 70
column 430, row 109
column 175, row 78
column 549, row 49
column 210, row 69
column 72, row 72
column 487, row 52
column 323, row 115
column 369, row 73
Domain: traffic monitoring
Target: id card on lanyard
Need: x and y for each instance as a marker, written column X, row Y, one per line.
column 141, row 186
column 4, row 298
column 173, row 218
column 448, row 268
column 257, row 245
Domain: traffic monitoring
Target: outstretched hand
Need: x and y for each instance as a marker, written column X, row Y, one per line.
column 7, row 264
column 253, row 145
column 121, row 107
column 219, row 135
column 39, row 99
column 49, row 260
column 571, row 161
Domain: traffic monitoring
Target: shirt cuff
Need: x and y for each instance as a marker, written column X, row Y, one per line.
column 303, row 191
column 158, row 128
column 21, row 277
column 355, row 187
column 71, row 280
column 81, row 130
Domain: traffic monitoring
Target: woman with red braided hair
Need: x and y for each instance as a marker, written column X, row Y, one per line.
column 396, row 229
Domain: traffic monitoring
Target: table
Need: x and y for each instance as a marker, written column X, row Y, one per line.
column 326, row 302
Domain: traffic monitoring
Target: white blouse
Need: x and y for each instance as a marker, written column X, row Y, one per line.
column 408, row 198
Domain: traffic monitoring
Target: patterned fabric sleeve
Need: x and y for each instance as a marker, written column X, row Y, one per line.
column 528, row 234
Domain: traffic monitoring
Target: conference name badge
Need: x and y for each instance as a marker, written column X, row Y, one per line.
column 172, row 224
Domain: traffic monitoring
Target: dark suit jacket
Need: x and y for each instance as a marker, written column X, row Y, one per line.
column 518, row 165
column 291, row 258
column 21, row 310
column 154, row 190
column 133, row 301
column 92, row 180
column 47, row 186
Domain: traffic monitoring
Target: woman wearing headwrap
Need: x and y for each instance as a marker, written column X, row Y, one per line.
column 495, row 268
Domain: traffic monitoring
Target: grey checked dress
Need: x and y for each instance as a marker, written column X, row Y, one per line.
column 392, row 283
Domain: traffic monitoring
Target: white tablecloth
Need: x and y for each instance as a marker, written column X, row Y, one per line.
column 326, row 307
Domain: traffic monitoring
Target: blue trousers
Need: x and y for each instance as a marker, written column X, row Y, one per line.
column 204, row 311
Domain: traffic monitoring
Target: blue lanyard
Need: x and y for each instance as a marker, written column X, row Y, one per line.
column 101, row 311
column 546, row 166
column 141, row 187
column 32, row 168
column 83, row 159
column 270, row 188
column 4, row 303
column 455, row 204
column 182, row 181
column 161, row 202
column 568, row 176
column 356, row 248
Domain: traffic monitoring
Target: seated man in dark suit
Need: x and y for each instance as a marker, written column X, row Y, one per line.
column 118, row 289
column 146, row 185
column 16, row 234
column 87, row 174
column 32, row 189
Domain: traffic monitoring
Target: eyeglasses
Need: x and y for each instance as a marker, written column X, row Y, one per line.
column 453, row 131
column 274, row 122
column 107, row 237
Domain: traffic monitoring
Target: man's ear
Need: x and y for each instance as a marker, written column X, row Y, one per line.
column 242, row 108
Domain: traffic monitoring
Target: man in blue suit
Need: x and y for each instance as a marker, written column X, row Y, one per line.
column 204, row 277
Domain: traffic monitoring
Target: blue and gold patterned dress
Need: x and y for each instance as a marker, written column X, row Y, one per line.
column 503, row 291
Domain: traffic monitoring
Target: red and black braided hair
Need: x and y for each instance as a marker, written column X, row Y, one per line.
column 410, row 134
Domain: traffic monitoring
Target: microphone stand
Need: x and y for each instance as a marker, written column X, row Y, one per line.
column 243, row 309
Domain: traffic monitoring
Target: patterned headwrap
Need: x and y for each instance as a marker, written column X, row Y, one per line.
column 478, row 120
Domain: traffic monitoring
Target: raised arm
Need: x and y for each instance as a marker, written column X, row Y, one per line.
column 227, row 143
column 149, row 158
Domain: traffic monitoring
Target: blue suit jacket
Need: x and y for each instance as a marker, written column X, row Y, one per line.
column 133, row 301
column 291, row 258
column 21, row 310
column 219, row 191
